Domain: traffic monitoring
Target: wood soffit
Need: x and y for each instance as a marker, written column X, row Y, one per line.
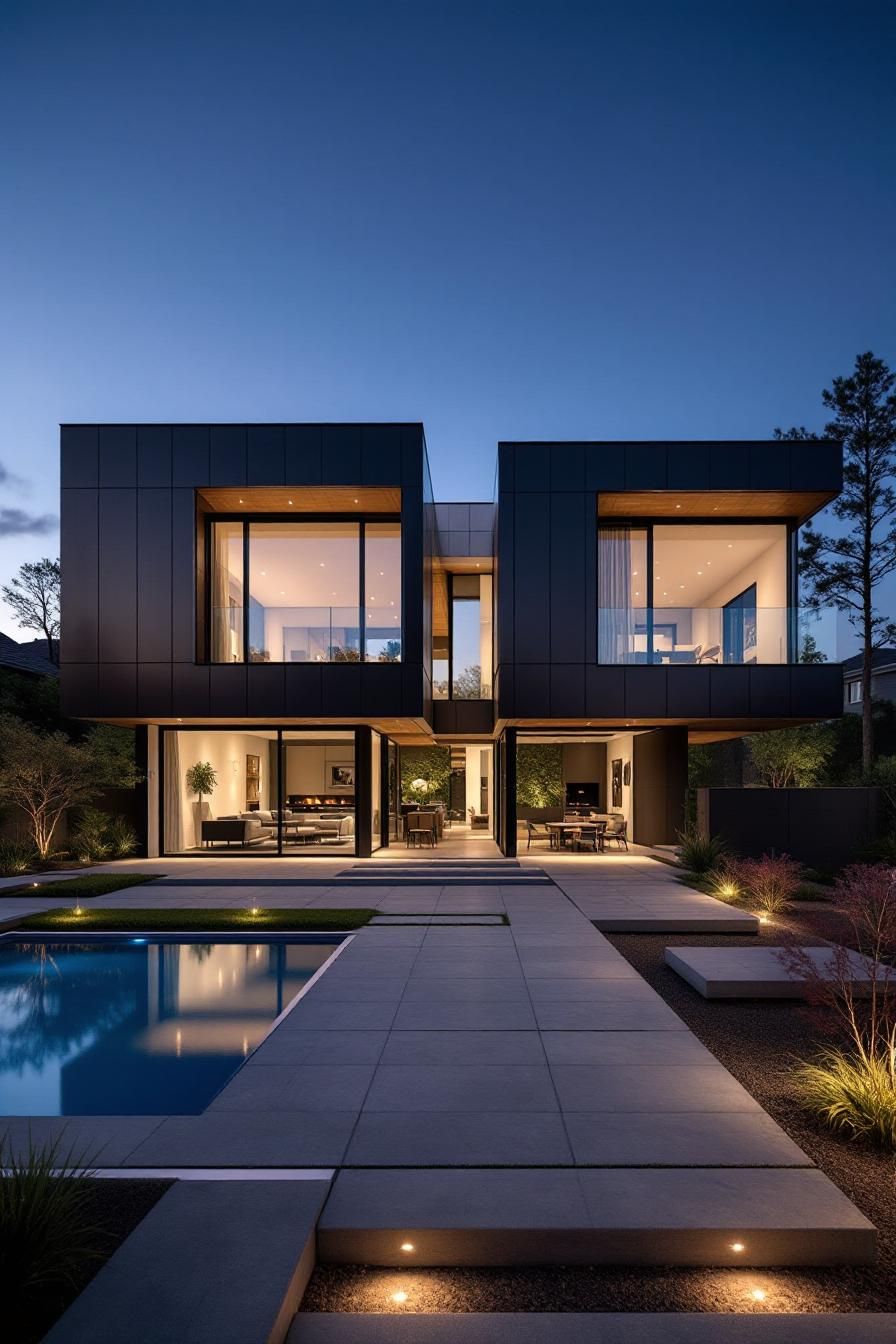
column 800, row 504
column 301, row 499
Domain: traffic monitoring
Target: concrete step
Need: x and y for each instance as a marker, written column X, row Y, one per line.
column 587, row 1328
column 759, row 972
column 643, row 1216
column 724, row 919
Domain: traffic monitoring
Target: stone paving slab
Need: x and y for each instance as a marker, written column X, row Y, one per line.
column 584, row 1328
column 261, row 1138
column 755, row 972
column 249, row 1246
column 627, row 1139
column 646, row 1216
column 459, row 1138
column 98, row 1140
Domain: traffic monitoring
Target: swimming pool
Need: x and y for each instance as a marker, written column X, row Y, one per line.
column 139, row 1026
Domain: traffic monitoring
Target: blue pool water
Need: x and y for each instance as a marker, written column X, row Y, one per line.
column 140, row 1026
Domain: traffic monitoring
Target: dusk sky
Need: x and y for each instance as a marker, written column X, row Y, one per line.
column 507, row 220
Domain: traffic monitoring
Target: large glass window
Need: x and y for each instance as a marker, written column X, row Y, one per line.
column 227, row 593
column 471, row 637
column 382, row 577
column 290, row 591
column 693, row 593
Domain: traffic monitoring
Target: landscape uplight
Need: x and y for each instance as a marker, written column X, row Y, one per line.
column 407, row 1247
column 400, row 1296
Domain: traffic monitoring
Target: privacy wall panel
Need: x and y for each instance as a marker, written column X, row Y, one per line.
column 117, row 576
column 79, row 554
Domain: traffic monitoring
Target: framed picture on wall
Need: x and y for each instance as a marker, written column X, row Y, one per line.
column 617, row 782
column 342, row 776
column 627, row 773
column 253, row 781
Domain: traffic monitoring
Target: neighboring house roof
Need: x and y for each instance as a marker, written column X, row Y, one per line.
column 29, row 657
column 880, row 659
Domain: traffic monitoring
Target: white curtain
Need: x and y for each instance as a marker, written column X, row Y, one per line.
column 616, row 619
column 175, row 840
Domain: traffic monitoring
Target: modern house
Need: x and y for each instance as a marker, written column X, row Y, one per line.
column 289, row 605
column 883, row 679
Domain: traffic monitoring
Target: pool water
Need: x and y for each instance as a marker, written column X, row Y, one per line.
column 140, row 1026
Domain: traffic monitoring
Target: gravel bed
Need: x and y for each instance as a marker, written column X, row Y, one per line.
column 757, row 1041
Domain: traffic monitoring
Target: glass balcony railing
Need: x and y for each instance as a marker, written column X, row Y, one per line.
column 707, row 636
column 303, row 635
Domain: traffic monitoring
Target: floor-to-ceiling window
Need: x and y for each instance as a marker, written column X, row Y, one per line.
column 376, row 791
column 305, row 590
column 470, row 637
column 699, row 593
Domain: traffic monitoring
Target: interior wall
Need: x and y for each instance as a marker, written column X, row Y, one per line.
column 621, row 748
column 769, row 573
column 224, row 750
column 586, row 763
column 307, row 767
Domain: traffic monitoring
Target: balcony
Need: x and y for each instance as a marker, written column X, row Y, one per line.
column 742, row 635
column 302, row 635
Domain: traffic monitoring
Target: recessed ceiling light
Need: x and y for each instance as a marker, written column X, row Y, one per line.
column 356, row 501
column 322, row 565
column 678, row 506
column 289, row 501
column 242, row 501
column 699, row 571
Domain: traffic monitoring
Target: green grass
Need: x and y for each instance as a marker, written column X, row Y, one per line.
column 91, row 884
column 195, row 921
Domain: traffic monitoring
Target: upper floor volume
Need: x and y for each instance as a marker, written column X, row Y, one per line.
column 273, row 572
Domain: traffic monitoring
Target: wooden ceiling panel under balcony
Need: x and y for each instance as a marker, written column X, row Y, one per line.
column 301, row 499
column 799, row 504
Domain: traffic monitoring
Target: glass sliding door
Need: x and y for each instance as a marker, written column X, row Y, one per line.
column 319, row 799
column 376, row 791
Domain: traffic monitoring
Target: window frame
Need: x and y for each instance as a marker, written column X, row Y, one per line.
column 247, row 519
column 451, row 576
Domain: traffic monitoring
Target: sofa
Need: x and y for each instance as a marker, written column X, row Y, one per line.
column 335, row 828
column 233, row 831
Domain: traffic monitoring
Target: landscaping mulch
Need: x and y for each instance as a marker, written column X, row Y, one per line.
column 757, row 1040
column 115, row 1205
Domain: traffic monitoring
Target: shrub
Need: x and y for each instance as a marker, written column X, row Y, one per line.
column 771, row 882
column 723, row 882
column 16, row 856
column 122, row 837
column 46, row 1230
column 89, row 839
column 698, row 853
column 853, row 1094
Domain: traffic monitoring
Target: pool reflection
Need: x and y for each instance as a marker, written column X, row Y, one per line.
column 137, row 1027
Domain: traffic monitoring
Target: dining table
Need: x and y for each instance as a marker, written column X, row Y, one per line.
column 559, row 828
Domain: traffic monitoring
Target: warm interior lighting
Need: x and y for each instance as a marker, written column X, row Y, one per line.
column 738, row 1246
column 407, row 1246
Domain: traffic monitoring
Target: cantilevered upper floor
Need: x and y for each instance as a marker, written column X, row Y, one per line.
column 230, row 573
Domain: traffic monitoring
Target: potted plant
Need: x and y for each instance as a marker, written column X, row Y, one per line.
column 201, row 778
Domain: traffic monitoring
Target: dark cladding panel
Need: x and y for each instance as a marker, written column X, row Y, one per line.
column 659, row 785
column 505, row 647
column 227, row 691
column 769, row 466
column 729, row 692
column 79, row 451
column 567, row 690
column 266, row 455
column 190, row 455
column 532, row 563
column 342, row 690
column 412, row 455
column 265, row 690
column 154, row 455
column 80, row 576
column 302, row 455
column 645, row 692
column 566, row 467
column 227, row 455
column 118, row 455
column 412, row 576
column 770, row 692
column 533, row 690
column 816, row 690
column 506, row 472
column 183, row 589
column 605, row 466
column 303, row 691
column 191, row 690
column 687, row 692
column 645, row 466
column 604, row 692
column 380, row 455
column 78, row 690
column 117, row 690
column 342, row 455
column 118, row 576
column 154, row 693
column 567, row 577
column 729, row 467
column 413, row 682
column 154, row 576
column 688, row 466
column 532, row 467
column 380, row 690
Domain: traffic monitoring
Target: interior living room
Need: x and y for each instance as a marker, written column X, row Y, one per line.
column 575, row 791
column 270, row 791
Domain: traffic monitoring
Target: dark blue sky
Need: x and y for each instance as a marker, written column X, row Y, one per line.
column 507, row 220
